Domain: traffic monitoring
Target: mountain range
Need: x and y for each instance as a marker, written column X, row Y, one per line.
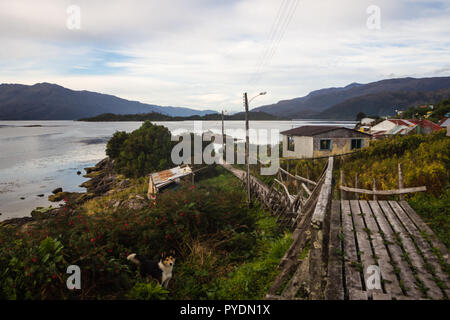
column 379, row 98
column 46, row 101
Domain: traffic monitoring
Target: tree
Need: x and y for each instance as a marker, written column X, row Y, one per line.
column 360, row 116
column 141, row 152
column 115, row 144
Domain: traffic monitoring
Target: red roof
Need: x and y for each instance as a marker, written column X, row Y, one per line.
column 428, row 124
column 421, row 122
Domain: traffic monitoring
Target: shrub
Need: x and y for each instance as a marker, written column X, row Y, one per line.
column 141, row 152
column 147, row 291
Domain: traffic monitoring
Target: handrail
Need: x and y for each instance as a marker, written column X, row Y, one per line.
column 384, row 192
column 297, row 177
column 324, row 197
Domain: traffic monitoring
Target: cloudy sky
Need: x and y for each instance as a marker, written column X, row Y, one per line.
column 205, row 53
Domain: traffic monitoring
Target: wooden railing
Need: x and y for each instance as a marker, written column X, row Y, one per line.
column 310, row 228
column 374, row 192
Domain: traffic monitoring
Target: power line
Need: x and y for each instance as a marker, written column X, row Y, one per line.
column 284, row 17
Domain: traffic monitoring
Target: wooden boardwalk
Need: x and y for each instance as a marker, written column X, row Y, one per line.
column 385, row 238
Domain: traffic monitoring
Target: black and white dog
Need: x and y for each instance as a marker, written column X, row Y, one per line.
column 161, row 271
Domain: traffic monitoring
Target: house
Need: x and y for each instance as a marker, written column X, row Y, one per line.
column 322, row 141
column 444, row 122
column 366, row 121
column 390, row 124
column 425, row 126
column 403, row 126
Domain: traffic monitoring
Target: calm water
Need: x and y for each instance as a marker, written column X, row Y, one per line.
column 39, row 156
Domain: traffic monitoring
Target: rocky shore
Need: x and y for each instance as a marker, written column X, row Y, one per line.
column 102, row 180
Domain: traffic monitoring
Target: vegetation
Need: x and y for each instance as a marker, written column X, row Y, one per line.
column 142, row 151
column 435, row 114
column 216, row 237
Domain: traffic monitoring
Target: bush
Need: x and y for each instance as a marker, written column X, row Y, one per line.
column 141, row 152
column 147, row 291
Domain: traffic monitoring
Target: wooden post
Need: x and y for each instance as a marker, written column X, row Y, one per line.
column 356, row 186
column 193, row 174
column 400, row 181
column 296, row 182
column 342, row 184
column 374, row 188
column 247, row 147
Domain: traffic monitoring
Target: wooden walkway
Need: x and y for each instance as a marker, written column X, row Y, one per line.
column 385, row 238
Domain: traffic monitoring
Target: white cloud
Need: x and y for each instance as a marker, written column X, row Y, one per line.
column 202, row 53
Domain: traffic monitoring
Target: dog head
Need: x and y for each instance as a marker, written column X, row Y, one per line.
column 168, row 259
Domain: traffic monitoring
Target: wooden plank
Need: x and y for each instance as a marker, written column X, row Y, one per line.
column 416, row 260
column 355, row 294
column 423, row 227
column 422, row 244
column 388, row 276
column 396, row 253
column 324, row 197
column 362, row 239
column 334, row 289
column 316, row 264
column 352, row 276
column 381, row 296
column 384, row 192
column 299, row 279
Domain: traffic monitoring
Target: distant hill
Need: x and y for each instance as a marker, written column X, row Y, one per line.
column 153, row 116
column 376, row 98
column 383, row 103
column 45, row 101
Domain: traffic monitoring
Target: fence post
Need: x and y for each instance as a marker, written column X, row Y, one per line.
column 356, row 186
column 400, row 181
column 374, row 188
column 342, row 184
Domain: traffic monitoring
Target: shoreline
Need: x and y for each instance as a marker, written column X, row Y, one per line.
column 101, row 181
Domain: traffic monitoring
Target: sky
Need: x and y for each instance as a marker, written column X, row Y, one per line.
column 204, row 54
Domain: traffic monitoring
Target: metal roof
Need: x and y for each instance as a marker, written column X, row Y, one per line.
column 315, row 130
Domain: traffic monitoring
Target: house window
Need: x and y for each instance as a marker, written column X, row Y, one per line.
column 290, row 143
column 325, row 144
column 357, row 144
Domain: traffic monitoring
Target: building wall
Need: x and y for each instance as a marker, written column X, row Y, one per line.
column 309, row 147
column 338, row 146
column 303, row 147
column 341, row 142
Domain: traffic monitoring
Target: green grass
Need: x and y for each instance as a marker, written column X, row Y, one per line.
column 435, row 212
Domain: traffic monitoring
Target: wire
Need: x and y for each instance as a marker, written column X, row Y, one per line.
column 284, row 17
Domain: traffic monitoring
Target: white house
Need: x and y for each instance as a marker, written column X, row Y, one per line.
column 366, row 121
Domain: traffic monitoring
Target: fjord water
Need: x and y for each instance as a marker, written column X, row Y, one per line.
column 39, row 156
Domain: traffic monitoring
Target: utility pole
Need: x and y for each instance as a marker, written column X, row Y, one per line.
column 223, row 136
column 247, row 147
